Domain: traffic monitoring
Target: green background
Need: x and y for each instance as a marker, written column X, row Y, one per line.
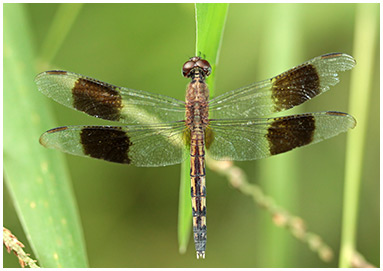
column 129, row 214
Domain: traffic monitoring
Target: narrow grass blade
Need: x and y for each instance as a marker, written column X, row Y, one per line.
column 283, row 23
column 184, row 207
column 62, row 23
column 210, row 21
column 36, row 178
column 366, row 30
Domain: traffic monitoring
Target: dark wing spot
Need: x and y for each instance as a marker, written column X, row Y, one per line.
column 287, row 133
column 97, row 99
column 107, row 143
column 55, row 72
column 42, row 139
column 295, row 87
column 336, row 113
column 58, row 129
column 331, row 55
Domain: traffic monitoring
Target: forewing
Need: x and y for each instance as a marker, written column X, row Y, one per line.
column 259, row 138
column 139, row 145
column 284, row 91
column 106, row 101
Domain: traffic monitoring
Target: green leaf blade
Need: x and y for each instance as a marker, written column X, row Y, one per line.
column 36, row 178
column 210, row 23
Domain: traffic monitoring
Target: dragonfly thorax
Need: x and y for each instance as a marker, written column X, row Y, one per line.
column 197, row 96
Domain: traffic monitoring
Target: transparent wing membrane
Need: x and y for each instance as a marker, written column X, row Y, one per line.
column 250, row 139
column 284, row 91
column 139, row 145
column 106, row 101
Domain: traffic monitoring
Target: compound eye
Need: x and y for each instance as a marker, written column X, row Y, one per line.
column 205, row 66
column 187, row 67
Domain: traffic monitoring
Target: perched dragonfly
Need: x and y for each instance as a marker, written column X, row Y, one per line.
column 229, row 127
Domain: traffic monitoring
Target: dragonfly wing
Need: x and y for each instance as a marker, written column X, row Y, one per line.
column 106, row 101
column 251, row 139
column 284, row 91
column 139, row 145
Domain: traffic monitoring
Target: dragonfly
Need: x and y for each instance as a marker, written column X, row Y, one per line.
column 159, row 129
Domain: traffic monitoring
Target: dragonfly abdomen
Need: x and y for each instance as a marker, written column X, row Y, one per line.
column 198, row 190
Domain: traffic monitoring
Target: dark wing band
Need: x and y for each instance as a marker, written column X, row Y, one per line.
column 251, row 139
column 284, row 91
column 139, row 145
column 106, row 101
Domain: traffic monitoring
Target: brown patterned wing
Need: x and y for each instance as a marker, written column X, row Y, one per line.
column 284, row 91
column 251, row 139
column 139, row 145
column 106, row 101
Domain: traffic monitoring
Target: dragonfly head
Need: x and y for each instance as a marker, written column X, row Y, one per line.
column 195, row 63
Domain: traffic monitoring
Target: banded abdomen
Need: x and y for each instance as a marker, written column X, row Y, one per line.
column 198, row 190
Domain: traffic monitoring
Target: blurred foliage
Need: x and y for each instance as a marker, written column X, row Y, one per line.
column 129, row 214
column 38, row 182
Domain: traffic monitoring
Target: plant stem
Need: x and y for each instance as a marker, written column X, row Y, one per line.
column 364, row 48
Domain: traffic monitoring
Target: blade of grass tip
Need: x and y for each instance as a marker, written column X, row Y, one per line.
column 210, row 22
column 63, row 21
column 37, row 179
column 366, row 23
